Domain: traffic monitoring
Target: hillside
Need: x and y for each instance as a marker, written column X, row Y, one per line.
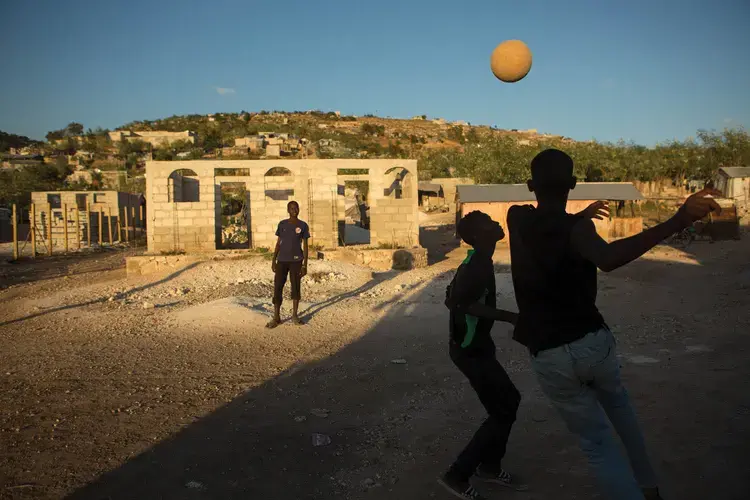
column 100, row 158
column 334, row 136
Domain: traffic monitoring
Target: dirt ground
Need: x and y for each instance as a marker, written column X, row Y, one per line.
column 170, row 387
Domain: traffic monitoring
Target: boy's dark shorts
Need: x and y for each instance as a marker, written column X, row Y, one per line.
column 293, row 269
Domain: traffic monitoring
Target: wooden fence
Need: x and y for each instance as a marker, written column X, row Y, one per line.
column 71, row 229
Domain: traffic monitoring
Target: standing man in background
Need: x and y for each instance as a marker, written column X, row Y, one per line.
column 289, row 259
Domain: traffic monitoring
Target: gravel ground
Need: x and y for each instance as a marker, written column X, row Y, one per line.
column 170, row 386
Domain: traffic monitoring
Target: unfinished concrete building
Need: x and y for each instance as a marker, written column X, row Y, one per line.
column 89, row 217
column 186, row 209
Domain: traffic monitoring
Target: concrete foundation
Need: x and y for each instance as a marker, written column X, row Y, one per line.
column 152, row 264
column 379, row 259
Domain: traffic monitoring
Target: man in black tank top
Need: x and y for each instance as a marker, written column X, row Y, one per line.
column 554, row 261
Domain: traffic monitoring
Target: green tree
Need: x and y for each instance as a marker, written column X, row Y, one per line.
column 73, row 129
column 8, row 141
column 16, row 185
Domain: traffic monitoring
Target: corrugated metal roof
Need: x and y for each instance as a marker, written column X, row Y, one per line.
column 735, row 172
column 614, row 191
column 429, row 187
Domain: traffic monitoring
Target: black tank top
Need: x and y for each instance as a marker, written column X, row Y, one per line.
column 555, row 288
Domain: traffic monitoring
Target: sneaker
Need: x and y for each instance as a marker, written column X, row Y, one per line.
column 460, row 489
column 501, row 477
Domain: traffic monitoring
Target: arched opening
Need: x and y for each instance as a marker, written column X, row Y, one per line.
column 279, row 184
column 184, row 186
column 399, row 182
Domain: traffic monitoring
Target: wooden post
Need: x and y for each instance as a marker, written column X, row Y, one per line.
column 119, row 226
column 65, row 225
column 101, row 213
column 132, row 222
column 109, row 224
column 15, row 234
column 32, row 228
column 127, row 224
column 88, row 224
column 78, row 226
column 49, row 228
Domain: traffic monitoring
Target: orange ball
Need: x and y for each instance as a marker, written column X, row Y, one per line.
column 511, row 61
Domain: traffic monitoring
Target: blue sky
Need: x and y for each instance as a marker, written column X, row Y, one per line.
column 640, row 70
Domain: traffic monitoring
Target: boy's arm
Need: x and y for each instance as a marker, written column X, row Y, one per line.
column 276, row 253
column 610, row 256
column 467, row 293
column 305, row 251
column 277, row 248
column 305, row 248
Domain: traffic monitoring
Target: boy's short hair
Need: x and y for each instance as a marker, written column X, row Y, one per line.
column 468, row 226
column 292, row 203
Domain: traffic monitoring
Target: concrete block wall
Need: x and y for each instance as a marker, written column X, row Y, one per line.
column 394, row 222
column 195, row 226
column 175, row 225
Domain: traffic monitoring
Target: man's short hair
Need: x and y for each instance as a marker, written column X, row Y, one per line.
column 468, row 226
column 292, row 203
column 553, row 168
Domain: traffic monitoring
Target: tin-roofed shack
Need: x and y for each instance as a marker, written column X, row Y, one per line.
column 441, row 191
column 496, row 199
column 430, row 193
column 734, row 183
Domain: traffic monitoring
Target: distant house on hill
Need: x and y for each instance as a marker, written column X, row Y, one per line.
column 19, row 161
column 157, row 138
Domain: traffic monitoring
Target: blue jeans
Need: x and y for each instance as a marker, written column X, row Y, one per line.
column 581, row 379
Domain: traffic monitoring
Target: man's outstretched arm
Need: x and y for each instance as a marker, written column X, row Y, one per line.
column 481, row 310
column 610, row 256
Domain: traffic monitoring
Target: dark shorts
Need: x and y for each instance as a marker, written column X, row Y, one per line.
column 293, row 269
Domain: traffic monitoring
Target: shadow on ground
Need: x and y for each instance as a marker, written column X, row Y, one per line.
column 439, row 241
column 395, row 426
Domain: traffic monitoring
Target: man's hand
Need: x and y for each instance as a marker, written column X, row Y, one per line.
column 273, row 265
column 598, row 210
column 698, row 206
column 303, row 271
column 511, row 318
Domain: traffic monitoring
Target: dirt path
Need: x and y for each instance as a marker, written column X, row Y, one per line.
column 171, row 388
